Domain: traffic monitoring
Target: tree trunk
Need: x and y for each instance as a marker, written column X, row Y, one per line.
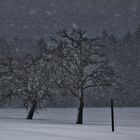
column 80, row 109
column 31, row 112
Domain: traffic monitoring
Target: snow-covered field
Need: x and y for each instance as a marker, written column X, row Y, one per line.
column 58, row 124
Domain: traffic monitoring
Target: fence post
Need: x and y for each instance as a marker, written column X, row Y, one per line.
column 112, row 115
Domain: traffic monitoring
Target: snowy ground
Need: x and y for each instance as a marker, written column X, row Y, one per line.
column 58, row 124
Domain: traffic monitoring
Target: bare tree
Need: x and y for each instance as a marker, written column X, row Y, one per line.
column 30, row 78
column 82, row 63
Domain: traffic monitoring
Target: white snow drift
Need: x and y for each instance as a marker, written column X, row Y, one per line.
column 58, row 124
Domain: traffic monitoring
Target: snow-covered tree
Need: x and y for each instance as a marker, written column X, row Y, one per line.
column 82, row 63
column 34, row 84
column 29, row 78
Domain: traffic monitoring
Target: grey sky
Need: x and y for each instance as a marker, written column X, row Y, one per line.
column 33, row 18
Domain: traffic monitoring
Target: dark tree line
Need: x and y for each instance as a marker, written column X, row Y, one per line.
column 125, row 54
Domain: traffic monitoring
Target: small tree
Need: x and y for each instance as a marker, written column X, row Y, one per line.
column 82, row 63
column 31, row 80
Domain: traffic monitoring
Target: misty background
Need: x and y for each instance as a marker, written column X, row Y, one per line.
column 40, row 18
column 115, row 21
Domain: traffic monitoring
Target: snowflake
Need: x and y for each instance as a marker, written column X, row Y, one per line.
column 117, row 15
column 133, row 8
column 17, row 50
column 49, row 13
column 33, row 12
column 25, row 26
column 75, row 26
column 59, row 82
column 12, row 25
column 52, row 4
column 46, row 27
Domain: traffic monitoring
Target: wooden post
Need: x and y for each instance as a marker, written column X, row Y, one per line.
column 112, row 115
